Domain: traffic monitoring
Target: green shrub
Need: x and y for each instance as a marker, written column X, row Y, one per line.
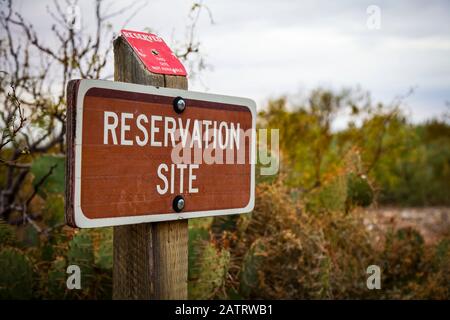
column 16, row 276
column 402, row 257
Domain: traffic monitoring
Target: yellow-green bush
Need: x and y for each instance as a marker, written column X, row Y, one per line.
column 282, row 251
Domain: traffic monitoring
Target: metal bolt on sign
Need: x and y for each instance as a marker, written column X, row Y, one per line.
column 178, row 203
column 179, row 104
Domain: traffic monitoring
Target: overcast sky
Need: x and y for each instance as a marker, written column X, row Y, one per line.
column 261, row 49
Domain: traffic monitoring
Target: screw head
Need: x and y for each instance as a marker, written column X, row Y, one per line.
column 179, row 104
column 178, row 203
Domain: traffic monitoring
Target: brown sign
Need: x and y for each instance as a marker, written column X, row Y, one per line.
column 142, row 154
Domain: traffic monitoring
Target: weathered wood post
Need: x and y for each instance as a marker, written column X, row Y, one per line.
column 150, row 259
column 110, row 180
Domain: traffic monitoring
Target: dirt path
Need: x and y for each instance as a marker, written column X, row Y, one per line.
column 432, row 222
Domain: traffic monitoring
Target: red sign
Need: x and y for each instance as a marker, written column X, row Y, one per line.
column 154, row 53
column 136, row 154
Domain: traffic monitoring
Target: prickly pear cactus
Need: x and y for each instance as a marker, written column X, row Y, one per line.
column 331, row 197
column 104, row 248
column 81, row 253
column 53, row 212
column 359, row 191
column 31, row 237
column 197, row 237
column 16, row 276
column 56, row 283
column 249, row 273
column 334, row 194
column 7, row 234
column 212, row 274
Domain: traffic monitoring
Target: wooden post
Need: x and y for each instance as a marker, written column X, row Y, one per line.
column 150, row 259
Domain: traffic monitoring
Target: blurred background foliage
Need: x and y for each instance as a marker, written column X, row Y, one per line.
column 306, row 237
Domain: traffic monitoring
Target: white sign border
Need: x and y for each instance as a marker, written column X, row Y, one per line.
column 81, row 221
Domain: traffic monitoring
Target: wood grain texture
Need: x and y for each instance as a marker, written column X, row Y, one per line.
column 72, row 89
column 150, row 260
column 133, row 262
column 170, row 254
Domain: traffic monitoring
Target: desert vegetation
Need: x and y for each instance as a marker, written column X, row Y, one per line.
column 308, row 236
